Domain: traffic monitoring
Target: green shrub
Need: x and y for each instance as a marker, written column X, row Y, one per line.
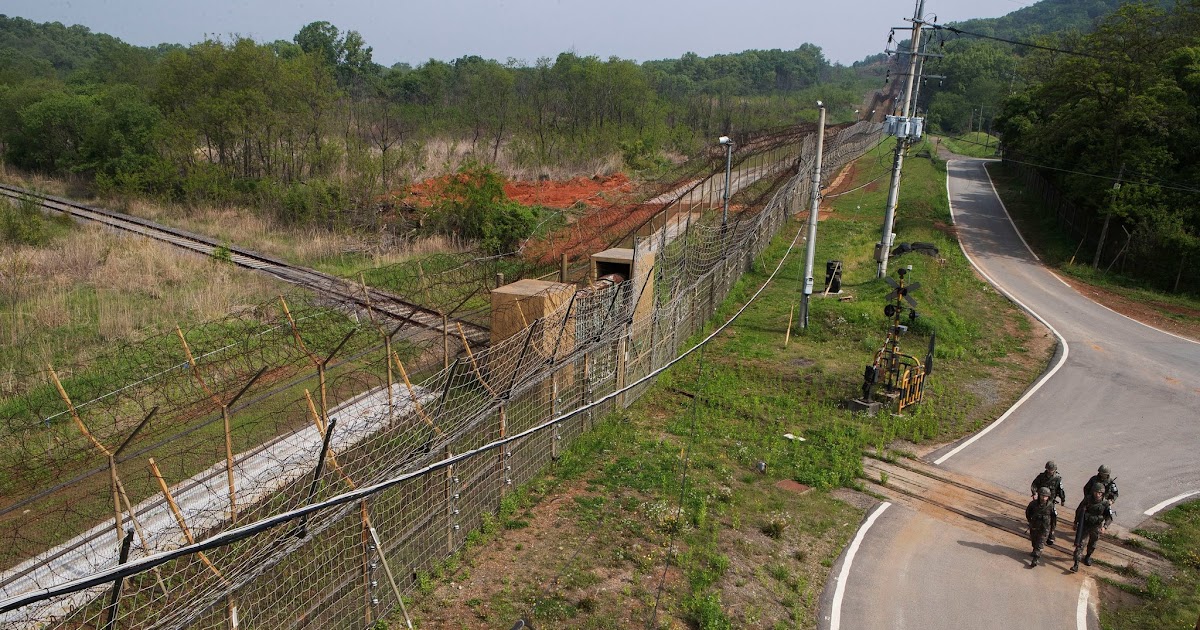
column 705, row 612
column 24, row 223
column 474, row 205
column 315, row 201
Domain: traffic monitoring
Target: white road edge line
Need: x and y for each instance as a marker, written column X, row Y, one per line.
column 1170, row 501
column 1063, row 342
column 1081, row 610
column 839, row 591
column 1057, row 277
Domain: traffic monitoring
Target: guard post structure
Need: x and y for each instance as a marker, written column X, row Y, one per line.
column 622, row 261
column 636, row 267
column 522, row 309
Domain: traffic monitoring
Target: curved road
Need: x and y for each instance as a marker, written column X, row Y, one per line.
column 1117, row 393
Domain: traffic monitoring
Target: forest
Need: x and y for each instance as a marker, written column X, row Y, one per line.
column 313, row 130
column 1116, row 124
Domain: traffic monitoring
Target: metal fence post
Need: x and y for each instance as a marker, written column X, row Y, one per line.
column 115, row 598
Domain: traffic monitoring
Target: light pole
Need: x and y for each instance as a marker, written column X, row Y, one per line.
column 813, row 209
column 728, row 143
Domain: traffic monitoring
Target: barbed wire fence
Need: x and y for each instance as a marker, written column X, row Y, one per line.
column 312, row 472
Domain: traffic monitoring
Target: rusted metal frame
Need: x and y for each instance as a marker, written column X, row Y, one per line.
column 322, row 366
column 387, row 569
column 561, row 329
column 229, row 442
column 475, row 365
column 114, row 480
column 129, row 439
column 230, row 605
column 412, row 393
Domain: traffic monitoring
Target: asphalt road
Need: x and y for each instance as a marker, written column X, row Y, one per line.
column 1117, row 393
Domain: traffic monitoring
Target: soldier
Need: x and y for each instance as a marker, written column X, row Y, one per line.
column 1104, row 476
column 1092, row 517
column 1052, row 480
column 1039, row 514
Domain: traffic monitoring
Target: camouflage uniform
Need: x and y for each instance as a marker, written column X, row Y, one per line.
column 1091, row 517
column 1050, row 478
column 1104, row 477
column 1039, row 514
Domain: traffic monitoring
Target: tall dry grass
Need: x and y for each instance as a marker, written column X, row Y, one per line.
column 95, row 287
column 445, row 155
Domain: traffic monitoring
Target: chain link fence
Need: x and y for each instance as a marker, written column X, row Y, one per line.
column 320, row 467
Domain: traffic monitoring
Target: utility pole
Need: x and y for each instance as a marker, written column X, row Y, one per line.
column 923, row 78
column 885, row 241
column 1107, row 218
column 810, row 249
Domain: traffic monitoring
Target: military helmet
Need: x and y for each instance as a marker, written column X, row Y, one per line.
column 1043, row 492
column 1103, row 470
column 1051, row 466
column 1096, row 487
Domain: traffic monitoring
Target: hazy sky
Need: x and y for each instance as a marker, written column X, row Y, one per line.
column 413, row 32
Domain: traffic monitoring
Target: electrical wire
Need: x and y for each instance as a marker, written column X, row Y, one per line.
column 959, row 31
column 1122, row 180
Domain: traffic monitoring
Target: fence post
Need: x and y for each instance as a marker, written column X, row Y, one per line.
column 622, row 364
column 116, row 590
column 451, row 499
column 502, row 456
column 554, row 448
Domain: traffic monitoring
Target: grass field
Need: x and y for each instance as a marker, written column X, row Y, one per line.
column 974, row 144
column 661, row 515
column 1166, row 602
column 91, row 289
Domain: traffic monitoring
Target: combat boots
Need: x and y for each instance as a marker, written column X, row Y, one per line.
column 1035, row 562
column 1075, row 567
column 1088, row 559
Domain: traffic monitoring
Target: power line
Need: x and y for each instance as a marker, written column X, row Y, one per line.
column 1123, row 180
column 1013, row 41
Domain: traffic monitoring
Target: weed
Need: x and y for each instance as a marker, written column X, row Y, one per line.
column 554, row 609
column 779, row 572
column 425, row 582
column 775, row 525
column 223, row 254
column 704, row 610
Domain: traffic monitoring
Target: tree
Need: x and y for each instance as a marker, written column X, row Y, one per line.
column 1129, row 104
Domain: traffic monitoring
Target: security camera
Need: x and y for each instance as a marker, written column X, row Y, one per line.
column 724, row 140
column 820, row 104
